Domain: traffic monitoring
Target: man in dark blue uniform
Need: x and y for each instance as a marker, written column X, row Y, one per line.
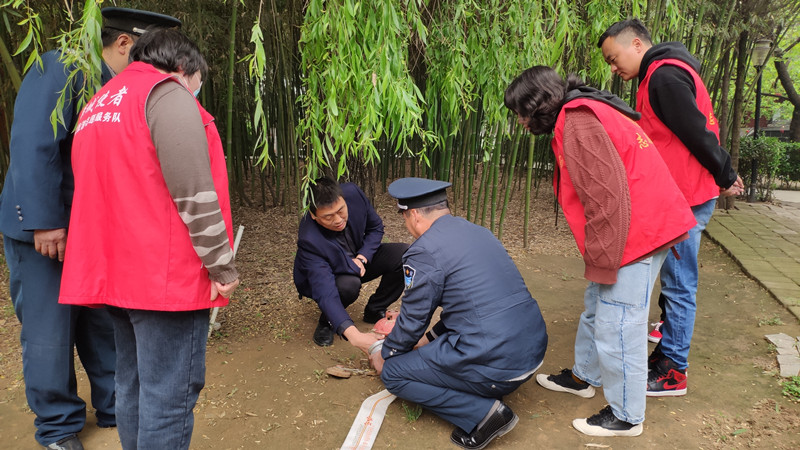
column 339, row 248
column 34, row 217
column 490, row 338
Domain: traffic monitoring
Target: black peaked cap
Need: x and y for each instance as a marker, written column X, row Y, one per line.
column 136, row 21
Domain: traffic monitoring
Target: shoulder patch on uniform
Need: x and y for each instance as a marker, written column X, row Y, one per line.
column 408, row 274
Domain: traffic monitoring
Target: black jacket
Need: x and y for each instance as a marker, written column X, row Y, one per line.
column 672, row 97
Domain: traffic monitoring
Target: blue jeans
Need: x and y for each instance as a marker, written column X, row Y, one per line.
column 460, row 402
column 50, row 334
column 679, row 290
column 161, row 370
column 611, row 342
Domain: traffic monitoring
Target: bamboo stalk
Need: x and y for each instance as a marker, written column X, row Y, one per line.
column 473, row 148
column 8, row 63
column 510, row 178
column 528, row 177
column 498, row 149
column 232, row 172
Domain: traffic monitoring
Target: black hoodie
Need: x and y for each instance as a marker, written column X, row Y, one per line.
column 672, row 97
column 602, row 96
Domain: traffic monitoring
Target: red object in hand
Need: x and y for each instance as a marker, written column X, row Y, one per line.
column 384, row 326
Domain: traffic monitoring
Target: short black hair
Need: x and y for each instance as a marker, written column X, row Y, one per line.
column 169, row 50
column 109, row 35
column 324, row 191
column 631, row 25
column 537, row 95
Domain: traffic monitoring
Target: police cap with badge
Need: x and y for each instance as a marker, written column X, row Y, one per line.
column 418, row 192
column 135, row 21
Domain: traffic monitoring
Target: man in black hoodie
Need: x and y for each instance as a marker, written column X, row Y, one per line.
column 677, row 115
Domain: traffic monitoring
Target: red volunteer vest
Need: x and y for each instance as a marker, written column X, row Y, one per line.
column 659, row 213
column 127, row 245
column 694, row 180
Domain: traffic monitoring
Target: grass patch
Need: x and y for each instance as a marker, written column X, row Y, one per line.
column 791, row 388
column 411, row 413
column 770, row 321
column 283, row 335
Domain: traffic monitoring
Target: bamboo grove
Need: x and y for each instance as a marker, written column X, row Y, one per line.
column 374, row 90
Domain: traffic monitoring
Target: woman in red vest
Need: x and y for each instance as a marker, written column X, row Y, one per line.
column 625, row 212
column 151, row 233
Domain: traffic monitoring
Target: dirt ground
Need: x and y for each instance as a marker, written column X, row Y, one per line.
column 266, row 386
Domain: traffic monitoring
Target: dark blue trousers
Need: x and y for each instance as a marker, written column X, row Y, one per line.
column 161, row 371
column 50, row 333
column 461, row 402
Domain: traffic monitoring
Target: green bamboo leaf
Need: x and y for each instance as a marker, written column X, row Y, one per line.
column 258, row 114
column 332, row 106
column 33, row 57
column 25, row 42
column 342, row 167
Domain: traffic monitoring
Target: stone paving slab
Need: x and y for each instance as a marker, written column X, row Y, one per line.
column 788, row 349
column 789, row 365
column 764, row 239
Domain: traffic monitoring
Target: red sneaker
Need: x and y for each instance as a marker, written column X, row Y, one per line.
column 666, row 380
column 655, row 335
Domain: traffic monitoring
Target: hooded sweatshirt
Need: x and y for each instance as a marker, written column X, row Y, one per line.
column 602, row 96
column 673, row 96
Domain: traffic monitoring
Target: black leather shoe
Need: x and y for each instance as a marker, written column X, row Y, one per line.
column 499, row 423
column 323, row 335
column 372, row 316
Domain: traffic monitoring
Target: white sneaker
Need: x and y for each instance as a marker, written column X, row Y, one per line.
column 563, row 382
column 606, row 424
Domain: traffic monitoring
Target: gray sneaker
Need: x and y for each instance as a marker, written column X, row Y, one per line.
column 68, row 443
column 564, row 382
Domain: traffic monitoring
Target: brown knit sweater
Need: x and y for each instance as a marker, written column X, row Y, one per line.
column 599, row 178
column 186, row 168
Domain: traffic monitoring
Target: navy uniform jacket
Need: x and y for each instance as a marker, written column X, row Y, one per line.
column 490, row 325
column 320, row 258
column 37, row 193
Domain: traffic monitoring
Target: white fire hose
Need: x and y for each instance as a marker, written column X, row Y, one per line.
column 370, row 417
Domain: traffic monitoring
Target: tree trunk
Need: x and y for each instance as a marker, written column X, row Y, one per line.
column 792, row 95
column 738, row 104
column 724, row 107
column 233, row 171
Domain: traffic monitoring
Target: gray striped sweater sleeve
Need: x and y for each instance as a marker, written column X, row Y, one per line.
column 179, row 136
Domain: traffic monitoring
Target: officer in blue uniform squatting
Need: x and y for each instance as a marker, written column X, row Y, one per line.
column 339, row 248
column 34, row 217
column 491, row 337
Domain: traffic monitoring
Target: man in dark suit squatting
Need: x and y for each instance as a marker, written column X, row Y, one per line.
column 339, row 248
